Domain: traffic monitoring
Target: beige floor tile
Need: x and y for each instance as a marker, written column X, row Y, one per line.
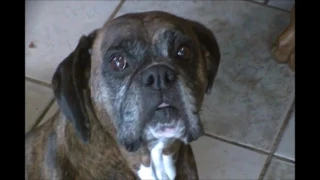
column 219, row 160
column 252, row 93
column 286, row 147
column 55, row 27
column 37, row 98
column 280, row 170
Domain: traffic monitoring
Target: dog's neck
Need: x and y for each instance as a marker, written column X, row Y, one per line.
column 99, row 154
column 104, row 148
column 132, row 158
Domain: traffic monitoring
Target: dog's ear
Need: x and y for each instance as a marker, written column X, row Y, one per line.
column 210, row 51
column 70, row 84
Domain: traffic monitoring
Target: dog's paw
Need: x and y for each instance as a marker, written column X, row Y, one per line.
column 146, row 173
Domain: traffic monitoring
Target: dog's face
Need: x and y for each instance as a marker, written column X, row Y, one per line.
column 153, row 73
column 150, row 72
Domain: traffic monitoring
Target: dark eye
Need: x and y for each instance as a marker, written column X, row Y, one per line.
column 118, row 62
column 183, row 52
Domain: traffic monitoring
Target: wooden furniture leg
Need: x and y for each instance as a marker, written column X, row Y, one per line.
column 284, row 48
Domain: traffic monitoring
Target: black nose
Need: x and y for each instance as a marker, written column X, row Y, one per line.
column 159, row 77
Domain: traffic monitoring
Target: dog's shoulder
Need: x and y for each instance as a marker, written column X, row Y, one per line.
column 41, row 151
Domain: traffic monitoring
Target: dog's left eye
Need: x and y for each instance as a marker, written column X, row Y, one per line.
column 183, row 52
column 118, row 62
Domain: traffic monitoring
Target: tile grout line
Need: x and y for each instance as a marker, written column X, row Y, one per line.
column 116, row 10
column 249, row 148
column 237, row 144
column 43, row 113
column 277, row 141
column 266, row 5
column 284, row 159
column 36, row 81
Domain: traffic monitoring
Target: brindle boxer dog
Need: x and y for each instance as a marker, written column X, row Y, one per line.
column 129, row 95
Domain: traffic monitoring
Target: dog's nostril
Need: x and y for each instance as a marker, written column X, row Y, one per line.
column 149, row 80
column 158, row 77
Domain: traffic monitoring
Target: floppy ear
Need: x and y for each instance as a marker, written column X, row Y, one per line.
column 210, row 51
column 70, row 84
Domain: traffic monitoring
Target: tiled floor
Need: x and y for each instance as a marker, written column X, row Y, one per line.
column 247, row 118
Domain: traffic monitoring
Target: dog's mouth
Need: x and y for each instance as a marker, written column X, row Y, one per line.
column 165, row 121
column 163, row 106
column 165, row 131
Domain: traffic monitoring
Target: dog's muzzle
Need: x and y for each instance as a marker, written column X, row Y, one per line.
column 158, row 77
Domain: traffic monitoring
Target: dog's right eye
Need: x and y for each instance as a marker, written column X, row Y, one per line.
column 118, row 62
column 183, row 52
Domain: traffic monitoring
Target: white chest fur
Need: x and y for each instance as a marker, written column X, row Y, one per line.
column 164, row 167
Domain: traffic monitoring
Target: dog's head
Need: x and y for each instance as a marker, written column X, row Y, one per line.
column 149, row 71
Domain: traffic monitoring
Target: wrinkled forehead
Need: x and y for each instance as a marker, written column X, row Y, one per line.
column 145, row 29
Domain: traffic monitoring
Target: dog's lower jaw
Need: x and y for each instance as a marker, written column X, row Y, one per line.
column 194, row 133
